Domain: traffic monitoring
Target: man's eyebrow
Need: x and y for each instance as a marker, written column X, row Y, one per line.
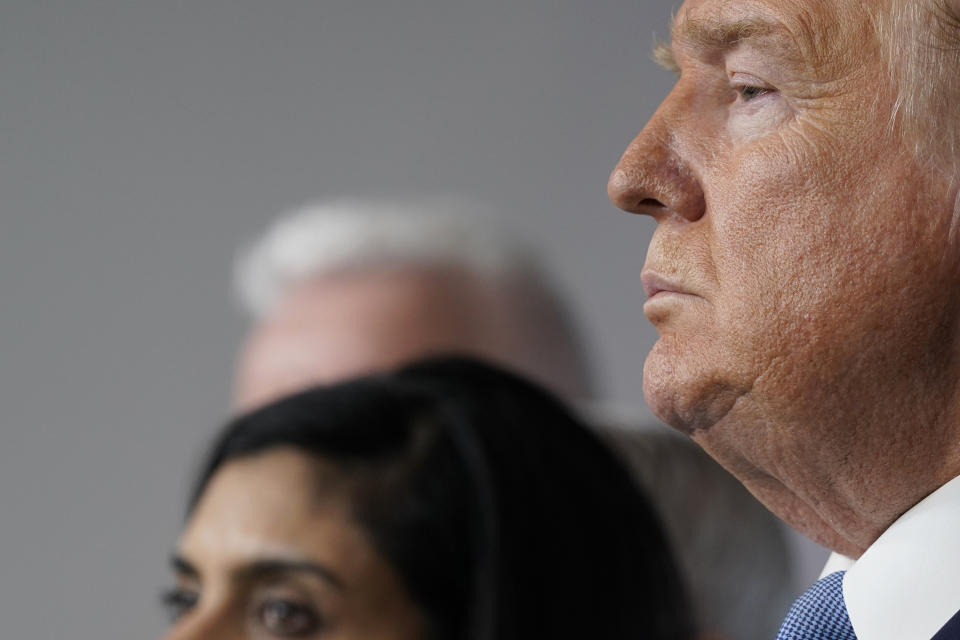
column 663, row 56
column 709, row 33
column 714, row 33
column 271, row 566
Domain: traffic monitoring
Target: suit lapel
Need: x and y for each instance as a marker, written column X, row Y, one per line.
column 951, row 630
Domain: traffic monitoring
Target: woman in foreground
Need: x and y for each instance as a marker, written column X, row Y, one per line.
column 447, row 500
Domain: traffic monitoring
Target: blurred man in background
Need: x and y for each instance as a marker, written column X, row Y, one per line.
column 351, row 287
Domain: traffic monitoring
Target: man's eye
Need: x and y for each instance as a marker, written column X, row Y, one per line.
column 749, row 92
column 288, row 619
column 177, row 602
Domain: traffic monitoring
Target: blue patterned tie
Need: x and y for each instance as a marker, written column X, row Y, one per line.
column 819, row 614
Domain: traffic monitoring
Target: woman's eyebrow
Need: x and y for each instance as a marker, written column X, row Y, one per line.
column 274, row 566
column 181, row 566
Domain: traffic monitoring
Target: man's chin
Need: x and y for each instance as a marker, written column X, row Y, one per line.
column 686, row 395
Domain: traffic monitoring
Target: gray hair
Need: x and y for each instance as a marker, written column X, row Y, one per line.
column 364, row 235
column 922, row 39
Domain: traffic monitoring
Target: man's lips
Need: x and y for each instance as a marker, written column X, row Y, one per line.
column 654, row 283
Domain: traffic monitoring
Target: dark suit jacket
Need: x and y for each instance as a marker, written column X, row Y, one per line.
column 951, row 630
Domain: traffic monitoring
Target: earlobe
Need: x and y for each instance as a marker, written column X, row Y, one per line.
column 956, row 195
column 955, row 213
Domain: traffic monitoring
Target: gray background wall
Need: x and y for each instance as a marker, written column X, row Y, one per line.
column 142, row 142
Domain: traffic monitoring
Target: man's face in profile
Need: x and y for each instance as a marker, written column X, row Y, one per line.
column 802, row 269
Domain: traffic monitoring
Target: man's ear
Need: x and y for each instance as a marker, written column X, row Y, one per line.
column 956, row 201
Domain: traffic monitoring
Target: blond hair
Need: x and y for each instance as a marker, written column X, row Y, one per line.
column 922, row 38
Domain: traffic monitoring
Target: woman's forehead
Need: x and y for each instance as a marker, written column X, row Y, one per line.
column 272, row 502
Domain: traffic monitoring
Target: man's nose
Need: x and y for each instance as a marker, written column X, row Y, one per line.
column 652, row 177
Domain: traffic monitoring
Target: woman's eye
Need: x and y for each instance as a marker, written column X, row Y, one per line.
column 178, row 602
column 287, row 618
column 749, row 92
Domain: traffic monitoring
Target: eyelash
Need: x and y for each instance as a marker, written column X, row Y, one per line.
column 177, row 602
column 302, row 619
column 751, row 92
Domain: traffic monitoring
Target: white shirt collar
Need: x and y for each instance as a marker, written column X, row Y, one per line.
column 905, row 587
column 836, row 562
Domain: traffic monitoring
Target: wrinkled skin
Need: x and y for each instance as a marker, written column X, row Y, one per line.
column 809, row 268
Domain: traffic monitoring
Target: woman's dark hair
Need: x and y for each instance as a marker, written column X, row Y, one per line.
column 504, row 516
